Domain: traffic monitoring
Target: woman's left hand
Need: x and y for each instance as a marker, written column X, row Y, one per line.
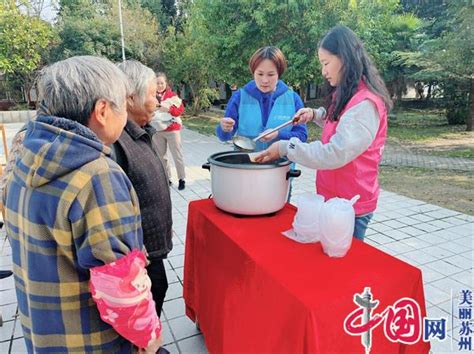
column 270, row 136
column 270, row 154
column 303, row 116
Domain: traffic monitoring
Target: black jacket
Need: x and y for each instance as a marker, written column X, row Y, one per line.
column 138, row 156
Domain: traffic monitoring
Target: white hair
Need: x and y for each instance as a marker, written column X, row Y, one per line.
column 139, row 77
column 70, row 88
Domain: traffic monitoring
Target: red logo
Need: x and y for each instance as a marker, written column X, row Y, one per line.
column 401, row 321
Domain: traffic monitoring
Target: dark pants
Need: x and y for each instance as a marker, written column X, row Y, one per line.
column 159, row 282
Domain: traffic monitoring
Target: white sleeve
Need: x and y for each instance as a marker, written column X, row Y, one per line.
column 355, row 132
column 319, row 117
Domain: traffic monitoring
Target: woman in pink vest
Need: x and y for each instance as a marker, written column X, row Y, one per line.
column 354, row 129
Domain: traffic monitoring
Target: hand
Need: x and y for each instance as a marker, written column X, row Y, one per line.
column 271, row 154
column 153, row 346
column 269, row 137
column 227, row 124
column 303, row 116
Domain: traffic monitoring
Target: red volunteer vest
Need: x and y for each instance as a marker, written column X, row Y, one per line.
column 360, row 176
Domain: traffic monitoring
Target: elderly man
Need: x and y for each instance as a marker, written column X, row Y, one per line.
column 73, row 220
column 137, row 154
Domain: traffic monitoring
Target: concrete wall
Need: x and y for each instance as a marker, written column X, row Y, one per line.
column 16, row 116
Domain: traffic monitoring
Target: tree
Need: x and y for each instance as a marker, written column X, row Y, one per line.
column 384, row 28
column 92, row 28
column 453, row 57
column 236, row 28
column 185, row 62
column 449, row 60
column 433, row 12
column 38, row 8
column 22, row 41
column 183, row 8
column 165, row 11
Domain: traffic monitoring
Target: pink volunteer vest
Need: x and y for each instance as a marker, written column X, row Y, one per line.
column 360, row 176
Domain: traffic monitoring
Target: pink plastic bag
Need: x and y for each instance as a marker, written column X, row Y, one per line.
column 122, row 293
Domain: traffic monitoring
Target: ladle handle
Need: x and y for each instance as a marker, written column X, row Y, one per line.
column 281, row 126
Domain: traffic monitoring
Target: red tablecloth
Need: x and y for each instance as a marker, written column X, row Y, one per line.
column 255, row 291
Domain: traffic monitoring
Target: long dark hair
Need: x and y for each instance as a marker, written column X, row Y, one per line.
column 356, row 64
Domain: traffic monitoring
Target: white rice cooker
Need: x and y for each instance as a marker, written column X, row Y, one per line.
column 243, row 187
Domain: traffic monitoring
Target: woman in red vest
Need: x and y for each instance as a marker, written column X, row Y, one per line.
column 167, row 122
column 354, row 129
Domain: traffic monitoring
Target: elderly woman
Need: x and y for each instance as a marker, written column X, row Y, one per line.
column 138, row 155
column 72, row 218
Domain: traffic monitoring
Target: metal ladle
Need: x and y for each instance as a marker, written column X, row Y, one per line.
column 246, row 144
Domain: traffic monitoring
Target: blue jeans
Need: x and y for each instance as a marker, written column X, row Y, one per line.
column 360, row 227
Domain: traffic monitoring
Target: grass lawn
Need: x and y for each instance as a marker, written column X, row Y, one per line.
column 428, row 132
column 204, row 124
column 449, row 189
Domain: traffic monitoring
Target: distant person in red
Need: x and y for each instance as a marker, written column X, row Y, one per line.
column 168, row 123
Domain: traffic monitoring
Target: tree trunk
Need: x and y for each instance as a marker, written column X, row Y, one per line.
column 303, row 89
column 27, row 89
column 430, row 87
column 195, row 109
column 470, row 117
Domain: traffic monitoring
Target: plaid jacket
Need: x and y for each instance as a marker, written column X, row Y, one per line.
column 69, row 208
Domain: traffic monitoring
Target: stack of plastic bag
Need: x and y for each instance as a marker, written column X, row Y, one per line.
column 336, row 220
column 330, row 222
column 306, row 225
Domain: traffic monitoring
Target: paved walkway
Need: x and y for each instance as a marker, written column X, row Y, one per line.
column 399, row 156
column 437, row 240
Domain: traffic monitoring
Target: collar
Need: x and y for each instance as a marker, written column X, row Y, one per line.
column 69, row 125
column 136, row 132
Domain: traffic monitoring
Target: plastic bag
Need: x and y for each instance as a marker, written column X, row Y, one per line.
column 305, row 224
column 330, row 222
column 337, row 219
column 121, row 290
column 301, row 237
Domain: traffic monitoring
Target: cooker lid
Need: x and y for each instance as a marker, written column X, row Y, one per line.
column 238, row 159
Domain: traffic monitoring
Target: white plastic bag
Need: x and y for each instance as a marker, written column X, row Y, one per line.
column 336, row 221
column 301, row 237
column 308, row 205
column 306, row 222
column 330, row 222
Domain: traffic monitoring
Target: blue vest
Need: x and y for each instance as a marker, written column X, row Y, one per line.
column 250, row 116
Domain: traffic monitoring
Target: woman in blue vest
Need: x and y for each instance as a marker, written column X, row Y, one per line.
column 263, row 103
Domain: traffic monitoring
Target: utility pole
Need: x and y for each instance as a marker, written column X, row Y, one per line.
column 121, row 29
